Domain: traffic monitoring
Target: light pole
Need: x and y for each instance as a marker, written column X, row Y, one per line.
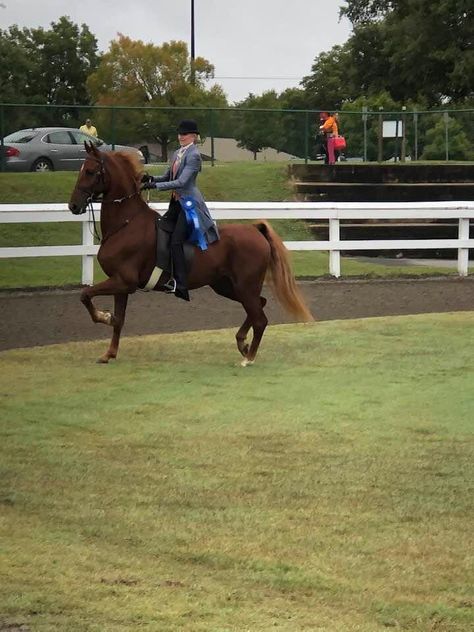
column 193, row 77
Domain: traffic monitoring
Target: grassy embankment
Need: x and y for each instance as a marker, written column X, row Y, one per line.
column 227, row 181
column 329, row 487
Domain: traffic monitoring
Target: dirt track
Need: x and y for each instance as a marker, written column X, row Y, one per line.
column 45, row 317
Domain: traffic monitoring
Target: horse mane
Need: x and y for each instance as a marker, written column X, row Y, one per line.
column 129, row 161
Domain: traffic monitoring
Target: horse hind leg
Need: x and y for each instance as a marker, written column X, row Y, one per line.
column 120, row 307
column 225, row 287
column 241, row 335
column 258, row 321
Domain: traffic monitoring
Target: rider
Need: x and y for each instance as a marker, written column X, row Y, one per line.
column 181, row 179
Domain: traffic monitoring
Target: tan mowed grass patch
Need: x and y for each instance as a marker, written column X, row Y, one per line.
column 328, row 487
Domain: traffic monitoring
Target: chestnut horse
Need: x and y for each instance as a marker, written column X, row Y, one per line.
column 235, row 266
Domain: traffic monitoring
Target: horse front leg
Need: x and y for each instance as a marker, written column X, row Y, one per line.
column 120, row 290
column 120, row 307
column 111, row 286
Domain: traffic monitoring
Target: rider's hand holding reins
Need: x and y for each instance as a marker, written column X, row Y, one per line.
column 147, row 182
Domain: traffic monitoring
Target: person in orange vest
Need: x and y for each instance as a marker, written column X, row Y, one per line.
column 328, row 127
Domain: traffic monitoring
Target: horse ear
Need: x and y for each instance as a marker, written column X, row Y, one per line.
column 88, row 146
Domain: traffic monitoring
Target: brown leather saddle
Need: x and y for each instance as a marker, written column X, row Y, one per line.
column 162, row 279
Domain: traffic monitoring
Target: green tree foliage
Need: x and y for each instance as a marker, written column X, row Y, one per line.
column 295, row 125
column 257, row 130
column 16, row 68
column 46, row 66
column 420, row 49
column 459, row 147
column 326, row 86
column 362, row 11
column 133, row 73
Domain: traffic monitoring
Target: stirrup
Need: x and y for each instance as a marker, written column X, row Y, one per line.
column 170, row 285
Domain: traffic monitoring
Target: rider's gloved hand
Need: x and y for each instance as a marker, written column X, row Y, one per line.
column 146, row 178
column 148, row 185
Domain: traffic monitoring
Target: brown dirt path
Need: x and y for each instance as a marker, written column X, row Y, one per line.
column 45, row 317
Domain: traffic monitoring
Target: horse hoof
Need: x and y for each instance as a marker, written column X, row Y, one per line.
column 105, row 317
column 246, row 362
column 102, row 360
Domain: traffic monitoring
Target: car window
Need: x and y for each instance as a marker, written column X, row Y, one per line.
column 80, row 137
column 23, row 136
column 59, row 138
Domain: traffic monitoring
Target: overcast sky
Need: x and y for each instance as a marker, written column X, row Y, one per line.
column 255, row 45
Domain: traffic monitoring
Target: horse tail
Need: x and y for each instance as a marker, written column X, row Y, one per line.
column 281, row 278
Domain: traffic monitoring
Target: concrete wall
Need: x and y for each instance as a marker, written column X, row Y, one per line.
column 226, row 150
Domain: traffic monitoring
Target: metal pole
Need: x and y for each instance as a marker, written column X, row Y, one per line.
column 446, row 134
column 2, row 134
column 403, row 150
column 364, row 120
column 112, row 126
column 212, row 130
column 380, row 139
column 396, row 140
column 306, row 137
column 415, row 123
column 193, row 75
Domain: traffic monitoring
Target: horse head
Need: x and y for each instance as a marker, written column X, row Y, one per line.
column 91, row 181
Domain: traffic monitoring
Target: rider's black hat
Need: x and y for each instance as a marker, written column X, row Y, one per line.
column 187, row 126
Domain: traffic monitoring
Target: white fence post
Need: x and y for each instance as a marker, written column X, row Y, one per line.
column 87, row 260
column 334, row 255
column 463, row 253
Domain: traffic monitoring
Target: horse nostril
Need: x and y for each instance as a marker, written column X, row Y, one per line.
column 72, row 208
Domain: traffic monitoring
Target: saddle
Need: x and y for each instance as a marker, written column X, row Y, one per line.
column 162, row 278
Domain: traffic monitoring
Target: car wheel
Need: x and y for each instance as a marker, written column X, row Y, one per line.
column 42, row 164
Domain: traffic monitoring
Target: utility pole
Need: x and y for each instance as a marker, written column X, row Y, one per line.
column 193, row 75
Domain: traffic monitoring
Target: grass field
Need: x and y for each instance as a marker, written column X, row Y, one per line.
column 235, row 181
column 329, row 487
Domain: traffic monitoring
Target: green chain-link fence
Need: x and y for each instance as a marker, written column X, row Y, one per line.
column 243, row 134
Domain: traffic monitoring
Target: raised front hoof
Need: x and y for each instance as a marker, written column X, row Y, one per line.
column 105, row 317
column 246, row 362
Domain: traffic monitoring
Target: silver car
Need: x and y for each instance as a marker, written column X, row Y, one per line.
column 51, row 149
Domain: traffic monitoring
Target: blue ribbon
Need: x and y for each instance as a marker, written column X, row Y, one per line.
column 196, row 234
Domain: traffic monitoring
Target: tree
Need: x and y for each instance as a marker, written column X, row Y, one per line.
column 132, row 73
column 326, row 87
column 426, row 47
column 362, row 11
column 46, row 66
column 257, row 130
column 292, row 135
column 459, row 147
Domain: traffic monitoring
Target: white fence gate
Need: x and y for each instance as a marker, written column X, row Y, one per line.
column 462, row 212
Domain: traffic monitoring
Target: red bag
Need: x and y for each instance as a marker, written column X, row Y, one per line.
column 339, row 143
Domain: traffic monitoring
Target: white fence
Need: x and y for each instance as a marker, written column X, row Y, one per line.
column 462, row 212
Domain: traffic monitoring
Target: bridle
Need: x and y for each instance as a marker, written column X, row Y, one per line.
column 100, row 175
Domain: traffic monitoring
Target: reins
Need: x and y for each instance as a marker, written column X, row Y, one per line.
column 93, row 198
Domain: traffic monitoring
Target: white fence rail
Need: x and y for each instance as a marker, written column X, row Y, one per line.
column 462, row 212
